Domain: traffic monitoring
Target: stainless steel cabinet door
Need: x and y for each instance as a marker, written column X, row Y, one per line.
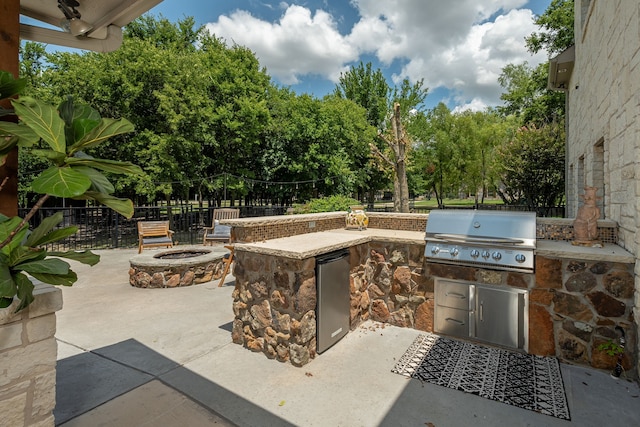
column 501, row 316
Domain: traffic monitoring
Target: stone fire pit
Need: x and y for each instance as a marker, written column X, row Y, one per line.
column 180, row 266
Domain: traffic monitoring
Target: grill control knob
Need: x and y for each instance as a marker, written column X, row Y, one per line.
column 435, row 250
column 520, row 258
column 497, row 256
column 474, row 253
column 454, row 252
column 485, row 254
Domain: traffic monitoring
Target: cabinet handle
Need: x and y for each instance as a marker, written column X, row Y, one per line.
column 481, row 311
column 449, row 319
column 455, row 294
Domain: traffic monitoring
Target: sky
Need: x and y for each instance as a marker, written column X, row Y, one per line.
column 458, row 47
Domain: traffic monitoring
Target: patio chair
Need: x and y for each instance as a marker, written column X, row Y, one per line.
column 220, row 232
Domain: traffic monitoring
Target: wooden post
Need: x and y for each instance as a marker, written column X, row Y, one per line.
column 9, row 44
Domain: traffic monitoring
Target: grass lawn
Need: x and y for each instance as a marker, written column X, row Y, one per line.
column 426, row 204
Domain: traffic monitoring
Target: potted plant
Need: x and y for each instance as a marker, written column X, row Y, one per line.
column 61, row 136
column 615, row 349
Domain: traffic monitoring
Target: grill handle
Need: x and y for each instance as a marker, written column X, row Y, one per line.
column 462, row 238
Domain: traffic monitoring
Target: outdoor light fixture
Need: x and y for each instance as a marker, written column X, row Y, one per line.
column 72, row 22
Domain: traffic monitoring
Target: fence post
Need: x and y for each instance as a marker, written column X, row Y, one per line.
column 116, row 234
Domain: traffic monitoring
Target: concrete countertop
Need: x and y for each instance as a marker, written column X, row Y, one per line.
column 313, row 244
column 560, row 249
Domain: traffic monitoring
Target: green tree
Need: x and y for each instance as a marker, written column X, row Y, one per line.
column 556, row 24
column 526, row 95
column 435, row 151
column 532, row 167
column 367, row 88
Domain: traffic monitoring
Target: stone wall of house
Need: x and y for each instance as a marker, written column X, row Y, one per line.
column 602, row 117
column 28, row 354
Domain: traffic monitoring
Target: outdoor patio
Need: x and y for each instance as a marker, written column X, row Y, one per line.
column 132, row 356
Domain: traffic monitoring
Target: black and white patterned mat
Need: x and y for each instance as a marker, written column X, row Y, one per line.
column 522, row 380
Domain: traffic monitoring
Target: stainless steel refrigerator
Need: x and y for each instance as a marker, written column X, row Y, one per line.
column 332, row 281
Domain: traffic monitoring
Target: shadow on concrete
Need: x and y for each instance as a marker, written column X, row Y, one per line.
column 227, row 327
column 88, row 380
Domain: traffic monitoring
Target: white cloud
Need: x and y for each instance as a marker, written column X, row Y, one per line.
column 299, row 44
column 454, row 47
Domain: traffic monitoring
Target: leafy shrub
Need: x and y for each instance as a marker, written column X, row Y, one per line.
column 326, row 204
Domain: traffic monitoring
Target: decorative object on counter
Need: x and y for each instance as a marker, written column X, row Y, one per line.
column 585, row 226
column 613, row 348
column 357, row 218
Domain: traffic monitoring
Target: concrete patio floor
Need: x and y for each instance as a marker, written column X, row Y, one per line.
column 148, row 357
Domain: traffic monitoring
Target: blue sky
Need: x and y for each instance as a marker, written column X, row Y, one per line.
column 458, row 47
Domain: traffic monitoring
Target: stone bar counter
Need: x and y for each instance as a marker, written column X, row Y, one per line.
column 577, row 295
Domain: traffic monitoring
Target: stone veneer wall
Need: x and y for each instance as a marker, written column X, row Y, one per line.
column 274, row 305
column 573, row 304
column 28, row 353
column 576, row 304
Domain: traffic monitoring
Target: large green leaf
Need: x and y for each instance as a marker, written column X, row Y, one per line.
column 86, row 257
column 57, row 279
column 7, row 143
column 70, row 111
column 57, row 235
column 61, row 182
column 107, row 129
column 123, row 206
column 112, row 166
column 99, row 182
column 44, row 120
column 24, row 290
column 44, row 266
column 81, row 127
column 27, row 137
column 7, row 226
column 49, row 223
column 24, row 254
column 9, row 85
column 7, row 285
column 55, row 156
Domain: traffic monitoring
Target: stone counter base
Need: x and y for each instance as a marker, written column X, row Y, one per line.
column 574, row 305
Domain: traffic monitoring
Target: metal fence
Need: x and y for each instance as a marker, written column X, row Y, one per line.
column 552, row 211
column 102, row 228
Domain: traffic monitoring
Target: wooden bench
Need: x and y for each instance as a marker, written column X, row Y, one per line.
column 154, row 234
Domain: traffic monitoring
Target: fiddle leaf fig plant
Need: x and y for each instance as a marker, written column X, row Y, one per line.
column 60, row 136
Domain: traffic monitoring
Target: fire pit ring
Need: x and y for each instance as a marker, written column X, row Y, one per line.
column 176, row 267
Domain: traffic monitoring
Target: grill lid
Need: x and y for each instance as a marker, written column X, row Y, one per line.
column 491, row 238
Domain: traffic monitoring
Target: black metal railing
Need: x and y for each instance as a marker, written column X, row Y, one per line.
column 102, row 228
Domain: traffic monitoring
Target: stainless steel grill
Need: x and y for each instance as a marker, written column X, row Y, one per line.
column 491, row 239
